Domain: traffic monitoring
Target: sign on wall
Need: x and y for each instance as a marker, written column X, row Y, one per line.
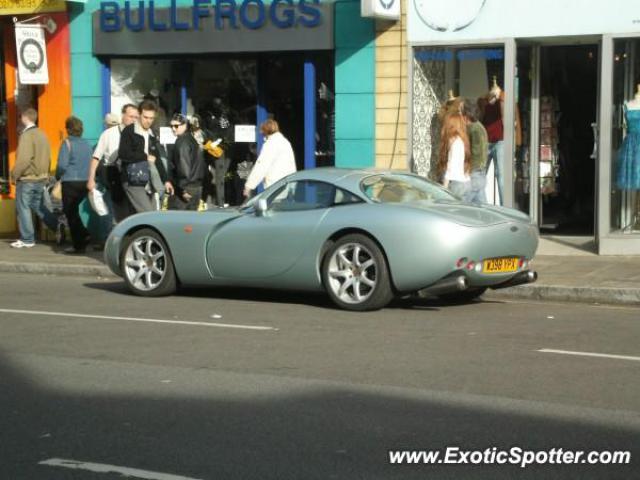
column 31, row 52
column 245, row 133
column 19, row 7
column 214, row 26
column 444, row 20
column 385, row 9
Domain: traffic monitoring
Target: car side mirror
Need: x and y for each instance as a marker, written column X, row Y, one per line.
column 261, row 207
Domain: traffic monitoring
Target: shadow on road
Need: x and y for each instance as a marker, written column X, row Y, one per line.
column 321, row 434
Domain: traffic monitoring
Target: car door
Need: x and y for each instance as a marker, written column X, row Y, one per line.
column 266, row 246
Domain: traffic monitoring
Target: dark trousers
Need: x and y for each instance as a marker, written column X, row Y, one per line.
column 72, row 194
column 178, row 203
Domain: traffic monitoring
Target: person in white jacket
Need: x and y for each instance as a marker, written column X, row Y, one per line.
column 276, row 160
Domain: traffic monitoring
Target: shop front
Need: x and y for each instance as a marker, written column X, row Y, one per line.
column 233, row 66
column 564, row 151
column 51, row 96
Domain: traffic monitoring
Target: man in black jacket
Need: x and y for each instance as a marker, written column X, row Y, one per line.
column 139, row 153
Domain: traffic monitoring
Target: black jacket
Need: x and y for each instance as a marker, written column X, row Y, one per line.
column 131, row 149
column 187, row 164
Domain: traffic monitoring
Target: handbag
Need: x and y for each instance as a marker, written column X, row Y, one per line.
column 137, row 173
column 56, row 191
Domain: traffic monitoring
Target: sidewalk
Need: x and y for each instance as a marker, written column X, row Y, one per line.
column 564, row 275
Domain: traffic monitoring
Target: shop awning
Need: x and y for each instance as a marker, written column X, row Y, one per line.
column 29, row 7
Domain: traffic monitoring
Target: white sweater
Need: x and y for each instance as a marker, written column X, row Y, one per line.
column 276, row 161
column 455, row 162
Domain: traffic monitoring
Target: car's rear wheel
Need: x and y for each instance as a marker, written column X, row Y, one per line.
column 147, row 266
column 355, row 274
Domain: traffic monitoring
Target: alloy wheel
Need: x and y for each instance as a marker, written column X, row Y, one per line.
column 352, row 273
column 145, row 263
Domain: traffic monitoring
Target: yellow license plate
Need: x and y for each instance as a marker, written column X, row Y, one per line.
column 500, row 265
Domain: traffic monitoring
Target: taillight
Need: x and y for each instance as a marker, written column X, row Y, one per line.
column 471, row 265
column 461, row 262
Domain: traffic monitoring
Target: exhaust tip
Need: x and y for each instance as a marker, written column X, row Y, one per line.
column 532, row 276
column 462, row 283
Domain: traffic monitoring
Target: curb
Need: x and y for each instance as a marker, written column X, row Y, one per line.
column 57, row 269
column 563, row 293
column 558, row 293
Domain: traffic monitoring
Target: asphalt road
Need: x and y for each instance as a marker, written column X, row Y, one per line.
column 262, row 385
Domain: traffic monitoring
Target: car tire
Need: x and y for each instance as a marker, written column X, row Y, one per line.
column 355, row 274
column 465, row 296
column 147, row 266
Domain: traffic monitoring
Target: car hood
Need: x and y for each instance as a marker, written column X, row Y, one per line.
column 471, row 215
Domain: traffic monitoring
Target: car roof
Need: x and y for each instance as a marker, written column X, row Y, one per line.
column 348, row 178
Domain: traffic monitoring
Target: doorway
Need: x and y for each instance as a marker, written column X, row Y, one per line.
column 556, row 159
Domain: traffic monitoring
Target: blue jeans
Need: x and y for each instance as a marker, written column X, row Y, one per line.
column 30, row 197
column 478, row 184
column 460, row 189
column 496, row 154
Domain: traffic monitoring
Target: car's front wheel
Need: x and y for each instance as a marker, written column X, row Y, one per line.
column 147, row 266
column 355, row 274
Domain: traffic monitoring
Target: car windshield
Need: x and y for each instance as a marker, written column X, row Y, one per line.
column 400, row 188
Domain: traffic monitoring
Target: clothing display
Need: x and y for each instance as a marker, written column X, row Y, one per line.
column 628, row 176
column 549, row 152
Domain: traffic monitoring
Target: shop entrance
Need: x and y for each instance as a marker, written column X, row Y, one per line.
column 558, row 104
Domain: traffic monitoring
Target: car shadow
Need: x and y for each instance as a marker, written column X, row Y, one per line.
column 228, row 293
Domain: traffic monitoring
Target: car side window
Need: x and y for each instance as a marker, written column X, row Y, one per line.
column 309, row 195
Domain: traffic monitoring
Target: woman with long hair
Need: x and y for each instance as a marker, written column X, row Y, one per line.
column 454, row 164
column 187, row 166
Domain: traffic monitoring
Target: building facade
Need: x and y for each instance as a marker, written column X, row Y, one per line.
column 309, row 64
column 569, row 73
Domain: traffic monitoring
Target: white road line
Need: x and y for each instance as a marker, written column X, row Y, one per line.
column 131, row 319
column 104, row 468
column 590, row 354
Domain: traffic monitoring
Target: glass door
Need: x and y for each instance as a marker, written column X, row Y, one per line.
column 556, row 133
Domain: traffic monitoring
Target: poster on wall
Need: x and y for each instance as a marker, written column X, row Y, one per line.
column 31, row 52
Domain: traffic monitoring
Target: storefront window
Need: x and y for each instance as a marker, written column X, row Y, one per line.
column 443, row 78
column 625, row 175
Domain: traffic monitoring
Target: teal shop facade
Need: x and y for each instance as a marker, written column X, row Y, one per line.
column 322, row 90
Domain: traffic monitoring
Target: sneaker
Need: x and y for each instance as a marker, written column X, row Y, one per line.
column 21, row 244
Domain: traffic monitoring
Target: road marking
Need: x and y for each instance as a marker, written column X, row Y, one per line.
column 104, row 468
column 132, row 319
column 590, row 354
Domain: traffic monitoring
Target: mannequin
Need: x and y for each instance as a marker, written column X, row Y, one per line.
column 634, row 104
column 491, row 108
column 628, row 175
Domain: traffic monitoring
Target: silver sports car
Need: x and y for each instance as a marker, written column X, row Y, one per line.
column 363, row 236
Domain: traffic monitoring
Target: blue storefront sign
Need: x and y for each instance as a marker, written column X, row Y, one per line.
column 222, row 14
column 212, row 26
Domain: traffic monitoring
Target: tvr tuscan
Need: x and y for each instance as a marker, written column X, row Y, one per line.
column 363, row 236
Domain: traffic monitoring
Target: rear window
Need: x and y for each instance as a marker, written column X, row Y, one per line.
column 400, row 188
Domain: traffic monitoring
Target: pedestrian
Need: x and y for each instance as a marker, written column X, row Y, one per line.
column 454, row 163
column 74, row 160
column 479, row 145
column 276, row 160
column 187, row 166
column 139, row 152
column 105, row 169
column 30, row 174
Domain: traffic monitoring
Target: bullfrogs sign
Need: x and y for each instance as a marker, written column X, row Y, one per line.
column 210, row 26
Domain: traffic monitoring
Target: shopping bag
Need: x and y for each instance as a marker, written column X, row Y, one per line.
column 96, row 199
